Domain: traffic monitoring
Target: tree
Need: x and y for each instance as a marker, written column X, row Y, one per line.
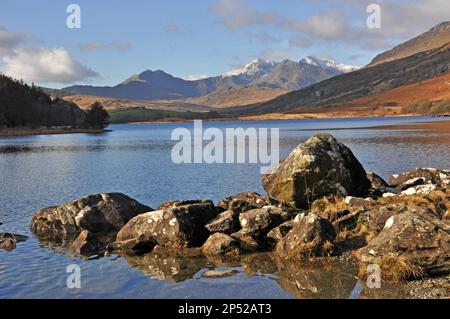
column 97, row 117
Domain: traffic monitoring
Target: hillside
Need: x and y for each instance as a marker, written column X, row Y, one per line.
column 237, row 96
column 22, row 105
column 345, row 88
column 435, row 38
column 84, row 101
column 434, row 89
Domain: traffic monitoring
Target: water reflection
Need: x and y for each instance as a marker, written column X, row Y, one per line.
column 308, row 279
column 40, row 171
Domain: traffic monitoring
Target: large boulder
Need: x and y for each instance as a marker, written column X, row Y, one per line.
column 410, row 244
column 418, row 176
column 220, row 244
column 179, row 225
column 104, row 213
column 319, row 167
column 310, row 236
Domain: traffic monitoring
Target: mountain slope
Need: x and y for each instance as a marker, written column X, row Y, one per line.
column 237, row 96
column 435, row 38
column 374, row 80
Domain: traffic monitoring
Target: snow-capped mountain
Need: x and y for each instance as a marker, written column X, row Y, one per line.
column 330, row 63
column 286, row 75
column 252, row 70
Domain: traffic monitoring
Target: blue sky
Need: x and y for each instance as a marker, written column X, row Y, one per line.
column 191, row 38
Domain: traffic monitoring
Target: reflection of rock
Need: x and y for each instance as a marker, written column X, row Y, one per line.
column 180, row 225
column 411, row 244
column 9, row 241
column 165, row 264
column 317, row 168
column 104, row 213
column 317, row 279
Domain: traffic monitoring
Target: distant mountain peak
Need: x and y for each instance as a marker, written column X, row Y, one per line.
column 328, row 62
column 254, row 67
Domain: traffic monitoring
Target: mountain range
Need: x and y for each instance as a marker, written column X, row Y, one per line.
column 422, row 58
column 286, row 75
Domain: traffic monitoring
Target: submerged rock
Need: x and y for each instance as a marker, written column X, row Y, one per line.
column 181, row 225
column 310, row 236
column 221, row 244
column 411, row 244
column 9, row 241
column 104, row 213
column 219, row 273
column 319, row 167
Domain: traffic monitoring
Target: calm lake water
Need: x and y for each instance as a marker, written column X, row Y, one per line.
column 40, row 171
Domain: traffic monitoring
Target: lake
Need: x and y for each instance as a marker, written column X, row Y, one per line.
column 38, row 171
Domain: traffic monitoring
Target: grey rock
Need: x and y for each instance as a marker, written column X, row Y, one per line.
column 319, row 167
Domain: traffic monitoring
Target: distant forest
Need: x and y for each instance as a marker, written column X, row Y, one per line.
column 22, row 105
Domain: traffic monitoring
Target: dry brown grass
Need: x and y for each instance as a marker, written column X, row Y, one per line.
column 395, row 269
column 331, row 207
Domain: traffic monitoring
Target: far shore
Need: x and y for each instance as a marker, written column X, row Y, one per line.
column 283, row 117
column 13, row 132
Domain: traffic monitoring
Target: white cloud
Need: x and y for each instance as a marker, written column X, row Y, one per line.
column 20, row 60
column 341, row 24
column 237, row 13
column 45, row 65
column 195, row 77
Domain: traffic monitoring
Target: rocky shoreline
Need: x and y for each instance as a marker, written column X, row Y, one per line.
column 320, row 203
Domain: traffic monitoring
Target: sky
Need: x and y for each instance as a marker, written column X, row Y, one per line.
column 194, row 39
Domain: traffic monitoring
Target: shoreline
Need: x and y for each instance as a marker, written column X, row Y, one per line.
column 48, row 131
